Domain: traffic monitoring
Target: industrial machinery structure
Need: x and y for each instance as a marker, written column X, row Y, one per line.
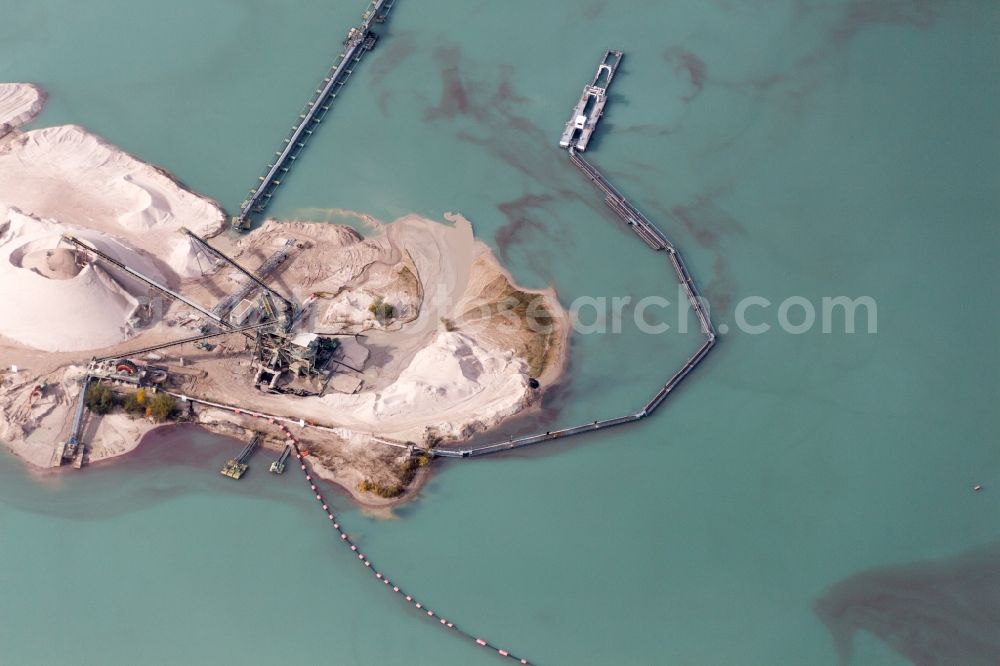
column 236, row 467
column 359, row 41
column 284, row 316
column 276, row 351
column 590, row 107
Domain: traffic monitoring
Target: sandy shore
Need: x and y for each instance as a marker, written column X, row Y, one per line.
column 19, row 103
column 456, row 356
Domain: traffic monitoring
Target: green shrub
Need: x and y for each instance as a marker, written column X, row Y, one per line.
column 100, row 398
column 382, row 490
column 133, row 404
column 405, row 473
column 383, row 311
column 161, row 407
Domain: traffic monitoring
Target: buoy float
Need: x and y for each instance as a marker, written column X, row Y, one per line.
column 503, row 653
column 354, row 548
column 335, row 525
column 367, row 563
column 442, row 621
column 361, row 556
column 481, row 641
column 343, row 536
column 308, row 478
column 409, row 598
column 524, row 661
column 977, row 487
column 303, row 467
column 325, row 507
column 331, row 516
column 395, row 588
column 451, row 626
column 378, row 575
column 430, row 613
column 319, row 497
column 418, row 605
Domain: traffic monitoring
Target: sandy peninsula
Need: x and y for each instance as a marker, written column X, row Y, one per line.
column 19, row 104
column 453, row 348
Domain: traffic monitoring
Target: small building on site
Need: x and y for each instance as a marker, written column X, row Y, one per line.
column 244, row 314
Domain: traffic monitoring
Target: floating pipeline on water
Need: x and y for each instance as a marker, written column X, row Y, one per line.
column 364, row 561
column 657, row 241
column 649, row 234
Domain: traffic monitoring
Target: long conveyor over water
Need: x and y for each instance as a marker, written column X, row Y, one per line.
column 359, row 41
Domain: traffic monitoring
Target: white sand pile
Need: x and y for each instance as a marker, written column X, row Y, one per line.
column 19, row 103
column 188, row 259
column 53, row 298
column 67, row 174
column 58, row 264
column 454, row 386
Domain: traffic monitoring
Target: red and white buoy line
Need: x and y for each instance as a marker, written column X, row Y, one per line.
column 280, row 422
column 366, row 563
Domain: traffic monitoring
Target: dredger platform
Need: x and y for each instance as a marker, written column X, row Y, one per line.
column 278, row 466
column 236, row 467
column 590, row 108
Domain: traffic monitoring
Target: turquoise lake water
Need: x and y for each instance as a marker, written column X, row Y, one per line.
column 788, row 148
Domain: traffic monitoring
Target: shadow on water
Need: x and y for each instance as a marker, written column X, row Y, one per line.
column 933, row 613
column 170, row 462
